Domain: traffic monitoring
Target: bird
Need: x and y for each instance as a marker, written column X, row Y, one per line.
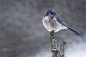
column 54, row 23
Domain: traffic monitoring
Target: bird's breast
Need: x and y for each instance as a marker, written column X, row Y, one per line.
column 52, row 24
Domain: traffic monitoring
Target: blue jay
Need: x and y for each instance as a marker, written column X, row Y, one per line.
column 53, row 22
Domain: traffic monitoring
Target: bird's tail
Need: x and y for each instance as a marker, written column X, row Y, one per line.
column 72, row 30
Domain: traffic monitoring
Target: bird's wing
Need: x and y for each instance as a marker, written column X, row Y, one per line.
column 59, row 19
column 63, row 23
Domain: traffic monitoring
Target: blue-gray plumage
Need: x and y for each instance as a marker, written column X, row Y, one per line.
column 53, row 22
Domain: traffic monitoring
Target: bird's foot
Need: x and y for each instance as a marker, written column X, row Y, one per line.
column 52, row 32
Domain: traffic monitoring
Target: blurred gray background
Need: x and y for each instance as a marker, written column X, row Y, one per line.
column 23, row 35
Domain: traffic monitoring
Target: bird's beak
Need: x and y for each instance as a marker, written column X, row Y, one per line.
column 50, row 15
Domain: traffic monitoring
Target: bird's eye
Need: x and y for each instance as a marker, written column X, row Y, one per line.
column 47, row 13
column 52, row 13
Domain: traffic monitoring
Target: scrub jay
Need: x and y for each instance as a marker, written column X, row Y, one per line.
column 53, row 22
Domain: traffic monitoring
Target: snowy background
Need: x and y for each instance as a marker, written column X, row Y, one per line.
column 23, row 35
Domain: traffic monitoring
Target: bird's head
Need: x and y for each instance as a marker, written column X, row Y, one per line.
column 50, row 13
